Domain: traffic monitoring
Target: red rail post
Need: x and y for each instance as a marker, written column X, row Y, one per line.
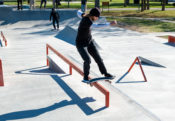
column 132, row 65
column 141, row 69
column 47, row 53
column 70, row 70
column 4, row 39
column 1, row 75
column 137, row 60
column 171, row 39
column 107, row 99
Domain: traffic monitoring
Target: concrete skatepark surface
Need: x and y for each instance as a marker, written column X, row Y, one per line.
column 32, row 92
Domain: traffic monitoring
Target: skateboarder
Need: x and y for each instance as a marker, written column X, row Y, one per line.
column 55, row 18
column 85, row 44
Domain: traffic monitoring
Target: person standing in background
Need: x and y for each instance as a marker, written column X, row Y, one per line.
column 56, row 3
column 54, row 15
column 83, row 6
column 43, row 1
column 32, row 4
column 19, row 4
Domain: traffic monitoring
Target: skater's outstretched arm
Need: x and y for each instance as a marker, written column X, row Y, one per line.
column 80, row 14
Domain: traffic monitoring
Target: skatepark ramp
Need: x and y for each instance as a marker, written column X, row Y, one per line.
column 73, row 66
column 3, row 38
column 10, row 16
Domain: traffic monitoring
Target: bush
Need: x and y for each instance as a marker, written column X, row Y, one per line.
column 1, row 2
column 173, row 4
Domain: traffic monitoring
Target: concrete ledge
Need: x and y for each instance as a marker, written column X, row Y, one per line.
column 53, row 66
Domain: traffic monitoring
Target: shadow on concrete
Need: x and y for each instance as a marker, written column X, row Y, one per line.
column 43, row 70
column 43, row 32
column 33, row 113
column 170, row 44
column 36, row 112
column 119, row 80
column 41, row 25
column 75, row 98
column 82, row 104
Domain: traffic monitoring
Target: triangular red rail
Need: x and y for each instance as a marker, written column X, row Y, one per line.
column 137, row 60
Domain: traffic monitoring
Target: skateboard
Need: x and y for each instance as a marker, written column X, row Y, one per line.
column 107, row 79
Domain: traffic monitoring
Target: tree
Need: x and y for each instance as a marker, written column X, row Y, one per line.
column 144, row 5
column 147, row 2
column 163, row 5
column 126, row 2
column 97, row 3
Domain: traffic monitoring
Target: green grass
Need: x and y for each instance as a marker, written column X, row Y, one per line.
column 144, row 25
column 165, row 37
column 145, row 14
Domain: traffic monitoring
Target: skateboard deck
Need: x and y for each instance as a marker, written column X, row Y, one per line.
column 107, row 79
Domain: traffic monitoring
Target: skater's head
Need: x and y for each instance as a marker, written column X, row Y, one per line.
column 94, row 13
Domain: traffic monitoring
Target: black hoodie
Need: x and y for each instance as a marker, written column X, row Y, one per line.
column 84, row 36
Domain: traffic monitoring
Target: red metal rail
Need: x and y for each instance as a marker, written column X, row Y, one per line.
column 1, row 74
column 137, row 60
column 171, row 39
column 3, row 38
column 71, row 65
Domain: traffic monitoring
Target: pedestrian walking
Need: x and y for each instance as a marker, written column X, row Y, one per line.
column 32, row 4
column 19, row 4
column 43, row 1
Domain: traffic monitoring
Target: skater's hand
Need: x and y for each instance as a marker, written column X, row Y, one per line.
column 113, row 23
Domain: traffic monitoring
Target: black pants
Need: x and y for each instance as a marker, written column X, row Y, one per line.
column 92, row 50
column 57, row 21
column 43, row 1
column 19, row 4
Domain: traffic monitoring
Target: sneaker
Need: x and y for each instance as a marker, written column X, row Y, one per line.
column 86, row 80
column 108, row 75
